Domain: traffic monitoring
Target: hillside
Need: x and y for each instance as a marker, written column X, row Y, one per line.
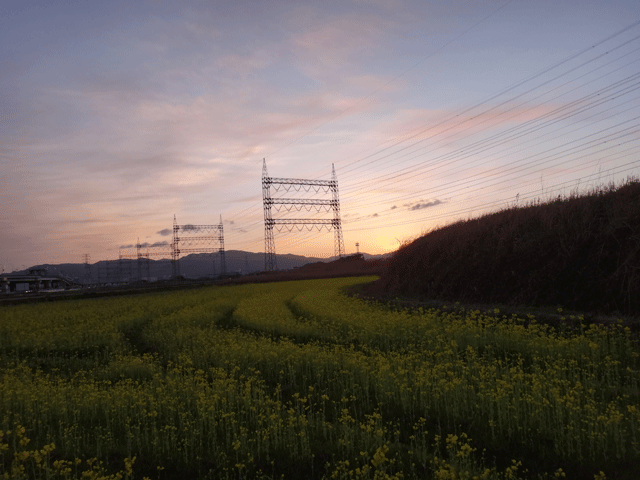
column 196, row 265
column 576, row 252
column 349, row 266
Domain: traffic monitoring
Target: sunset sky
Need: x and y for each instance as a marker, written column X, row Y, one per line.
column 116, row 115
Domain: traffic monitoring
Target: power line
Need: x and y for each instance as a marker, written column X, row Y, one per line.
column 533, row 129
column 455, row 125
column 459, row 157
column 393, row 80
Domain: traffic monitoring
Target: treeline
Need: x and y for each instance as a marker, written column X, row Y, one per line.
column 578, row 252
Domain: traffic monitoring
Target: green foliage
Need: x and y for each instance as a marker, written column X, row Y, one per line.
column 298, row 380
column 581, row 252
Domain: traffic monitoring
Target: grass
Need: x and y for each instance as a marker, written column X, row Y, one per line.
column 580, row 252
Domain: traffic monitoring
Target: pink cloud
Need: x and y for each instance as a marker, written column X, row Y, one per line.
column 325, row 47
column 236, row 64
column 412, row 125
column 369, row 83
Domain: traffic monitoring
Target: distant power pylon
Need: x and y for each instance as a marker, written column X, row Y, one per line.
column 141, row 254
column 87, row 269
column 197, row 239
column 287, row 204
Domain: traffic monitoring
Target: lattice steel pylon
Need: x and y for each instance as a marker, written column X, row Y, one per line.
column 87, row 269
column 141, row 254
column 122, row 259
column 207, row 235
column 175, row 251
column 337, row 223
column 319, row 204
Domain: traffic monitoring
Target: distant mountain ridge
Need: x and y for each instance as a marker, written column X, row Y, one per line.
column 197, row 265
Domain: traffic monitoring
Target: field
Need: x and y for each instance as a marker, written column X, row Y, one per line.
column 299, row 380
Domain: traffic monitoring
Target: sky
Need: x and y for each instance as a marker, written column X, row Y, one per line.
column 117, row 115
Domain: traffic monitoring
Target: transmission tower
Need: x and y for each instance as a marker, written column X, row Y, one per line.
column 197, row 239
column 131, row 254
column 111, row 269
column 287, row 204
column 142, row 256
column 121, row 263
column 87, row 269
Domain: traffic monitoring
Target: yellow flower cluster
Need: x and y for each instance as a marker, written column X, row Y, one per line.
column 297, row 379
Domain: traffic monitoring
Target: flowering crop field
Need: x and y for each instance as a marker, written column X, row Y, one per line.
column 300, row 380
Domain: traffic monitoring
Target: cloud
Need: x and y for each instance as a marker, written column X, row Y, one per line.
column 447, row 127
column 249, row 199
column 333, row 41
column 153, row 245
column 165, row 231
column 390, row 5
column 245, row 64
column 420, row 206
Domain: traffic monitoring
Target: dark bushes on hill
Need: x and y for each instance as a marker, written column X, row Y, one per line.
column 578, row 252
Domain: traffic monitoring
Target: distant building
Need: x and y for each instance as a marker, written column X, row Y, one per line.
column 36, row 280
